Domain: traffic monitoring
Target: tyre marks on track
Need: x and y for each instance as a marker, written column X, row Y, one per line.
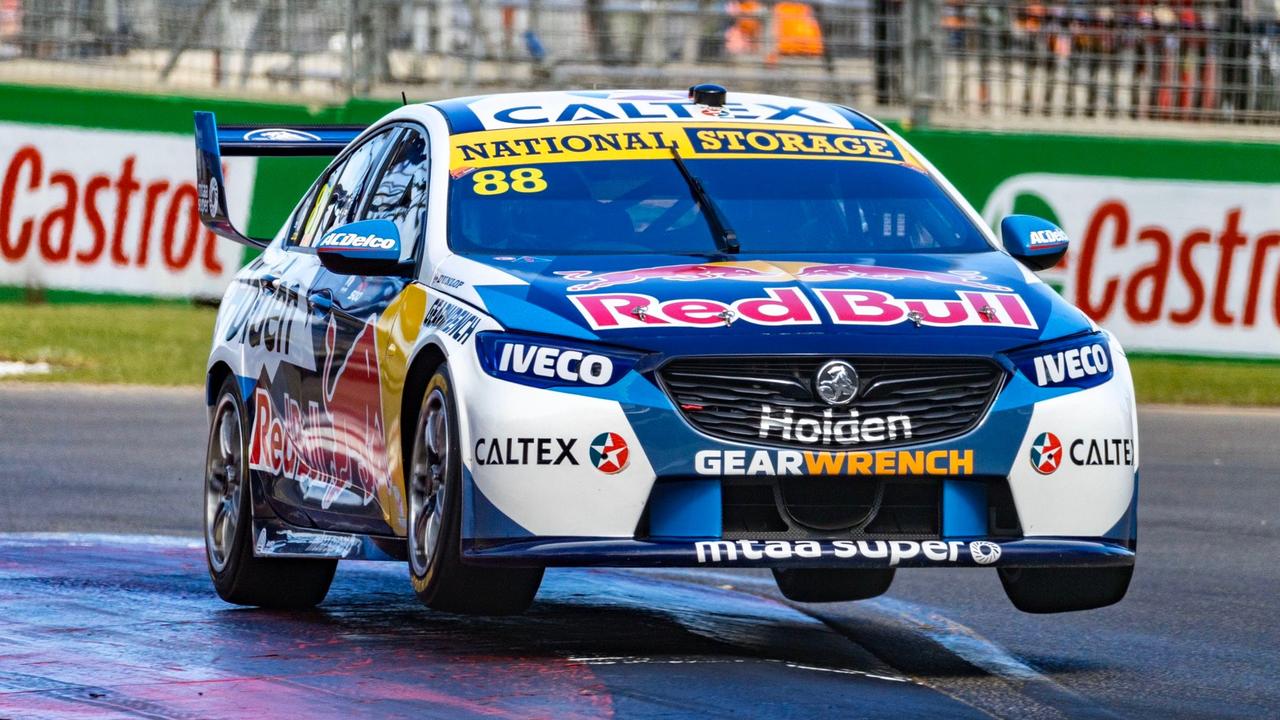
column 127, row 627
column 925, row 646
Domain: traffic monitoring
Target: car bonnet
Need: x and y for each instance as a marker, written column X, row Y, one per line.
column 969, row 304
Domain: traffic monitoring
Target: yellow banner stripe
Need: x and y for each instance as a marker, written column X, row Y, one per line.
column 654, row 141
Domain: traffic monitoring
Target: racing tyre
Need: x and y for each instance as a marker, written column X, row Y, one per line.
column 1055, row 590
column 440, row 579
column 238, row 575
column 823, row 585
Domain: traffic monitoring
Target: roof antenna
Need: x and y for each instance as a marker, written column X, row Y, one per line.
column 403, row 100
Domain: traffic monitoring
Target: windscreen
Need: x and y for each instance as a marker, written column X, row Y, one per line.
column 601, row 190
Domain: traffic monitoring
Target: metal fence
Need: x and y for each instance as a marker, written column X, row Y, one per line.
column 990, row 62
column 1214, row 61
column 332, row 49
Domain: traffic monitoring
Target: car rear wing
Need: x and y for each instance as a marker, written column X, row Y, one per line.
column 213, row 142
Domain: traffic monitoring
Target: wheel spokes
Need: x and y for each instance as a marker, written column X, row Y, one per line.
column 222, row 483
column 429, row 480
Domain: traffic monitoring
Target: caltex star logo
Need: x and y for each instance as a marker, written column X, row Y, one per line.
column 1046, row 453
column 609, row 453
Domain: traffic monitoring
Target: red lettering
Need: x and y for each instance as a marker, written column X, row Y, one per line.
column 64, row 216
column 148, row 214
column 11, row 249
column 126, row 185
column 211, row 262
column 275, row 453
column 178, row 260
column 96, row 226
column 1265, row 243
column 1156, row 275
column 861, row 307
column 979, row 303
column 955, row 311
column 1229, row 240
column 1187, row 267
column 1114, row 211
column 695, row 312
column 613, row 310
column 1019, row 315
column 787, row 306
column 258, row 454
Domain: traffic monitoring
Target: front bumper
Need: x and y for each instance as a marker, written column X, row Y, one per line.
column 676, row 482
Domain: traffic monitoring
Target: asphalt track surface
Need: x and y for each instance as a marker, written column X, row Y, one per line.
column 106, row 610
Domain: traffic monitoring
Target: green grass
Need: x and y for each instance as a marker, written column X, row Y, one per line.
column 1194, row 381
column 168, row 343
column 157, row 344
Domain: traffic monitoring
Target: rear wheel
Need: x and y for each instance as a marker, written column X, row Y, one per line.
column 827, row 585
column 1055, row 590
column 239, row 576
column 440, row 579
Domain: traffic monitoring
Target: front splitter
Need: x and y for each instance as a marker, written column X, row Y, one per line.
column 694, row 552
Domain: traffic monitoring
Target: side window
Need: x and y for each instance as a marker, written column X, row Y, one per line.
column 336, row 194
column 401, row 193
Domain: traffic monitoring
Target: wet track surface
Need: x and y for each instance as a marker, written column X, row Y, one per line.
column 118, row 625
column 151, row 641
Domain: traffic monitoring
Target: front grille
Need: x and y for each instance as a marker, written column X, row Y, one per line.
column 727, row 397
column 882, row 508
column 831, row 507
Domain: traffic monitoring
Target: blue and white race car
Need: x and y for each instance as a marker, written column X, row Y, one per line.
column 639, row 328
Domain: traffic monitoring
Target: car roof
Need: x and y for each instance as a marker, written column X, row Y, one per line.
column 582, row 107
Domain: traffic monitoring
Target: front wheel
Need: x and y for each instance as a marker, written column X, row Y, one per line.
column 440, row 579
column 238, row 575
column 1055, row 590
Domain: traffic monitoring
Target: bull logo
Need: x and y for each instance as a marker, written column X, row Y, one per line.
column 855, row 271
column 696, row 271
column 354, row 442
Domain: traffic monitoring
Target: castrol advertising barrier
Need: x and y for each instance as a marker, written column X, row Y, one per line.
column 1168, row 265
column 1175, row 244
column 98, row 193
column 110, row 211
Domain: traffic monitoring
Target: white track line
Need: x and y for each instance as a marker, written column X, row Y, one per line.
column 953, row 636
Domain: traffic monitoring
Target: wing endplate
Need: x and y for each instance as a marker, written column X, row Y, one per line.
column 213, row 142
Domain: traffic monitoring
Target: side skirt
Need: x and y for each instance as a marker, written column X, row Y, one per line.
column 276, row 538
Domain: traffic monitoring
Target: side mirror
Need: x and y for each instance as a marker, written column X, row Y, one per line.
column 1036, row 243
column 367, row 247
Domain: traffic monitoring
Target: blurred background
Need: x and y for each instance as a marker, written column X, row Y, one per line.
column 997, row 63
column 1150, row 131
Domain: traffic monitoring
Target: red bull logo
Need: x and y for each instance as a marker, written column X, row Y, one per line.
column 697, row 271
column 335, row 445
column 789, row 306
column 782, row 272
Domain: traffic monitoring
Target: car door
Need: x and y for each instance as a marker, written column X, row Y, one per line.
column 310, row 483
column 346, row 309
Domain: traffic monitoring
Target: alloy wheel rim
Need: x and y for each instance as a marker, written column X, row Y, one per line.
column 428, row 482
column 223, row 483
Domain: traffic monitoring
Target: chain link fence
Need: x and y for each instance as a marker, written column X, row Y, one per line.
column 332, row 49
column 986, row 62
column 1211, row 61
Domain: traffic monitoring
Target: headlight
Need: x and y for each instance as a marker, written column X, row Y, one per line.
column 542, row 362
column 1079, row 361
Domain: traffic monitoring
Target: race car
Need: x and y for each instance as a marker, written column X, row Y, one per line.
column 647, row 328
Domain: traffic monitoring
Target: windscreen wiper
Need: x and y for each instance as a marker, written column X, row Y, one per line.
column 726, row 239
